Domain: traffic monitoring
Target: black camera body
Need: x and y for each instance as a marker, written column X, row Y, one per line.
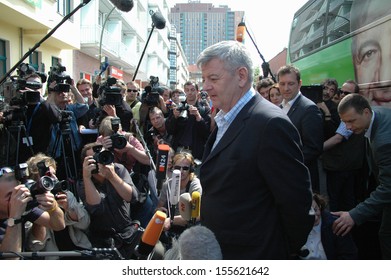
column 109, row 93
column 43, row 185
column 104, row 157
column 62, row 79
column 183, row 107
column 152, row 92
column 119, row 140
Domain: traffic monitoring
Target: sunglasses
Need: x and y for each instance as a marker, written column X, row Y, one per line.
column 344, row 92
column 132, row 90
column 184, row 168
column 6, row 170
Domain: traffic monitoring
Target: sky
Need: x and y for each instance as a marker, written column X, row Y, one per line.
column 268, row 22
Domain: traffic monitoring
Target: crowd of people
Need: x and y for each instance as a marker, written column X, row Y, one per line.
column 83, row 170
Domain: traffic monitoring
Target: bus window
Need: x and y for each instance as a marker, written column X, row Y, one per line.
column 318, row 24
column 344, row 39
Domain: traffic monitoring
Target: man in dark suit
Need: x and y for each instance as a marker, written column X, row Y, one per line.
column 359, row 117
column 307, row 118
column 256, row 189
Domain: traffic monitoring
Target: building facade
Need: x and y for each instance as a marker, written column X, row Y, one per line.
column 96, row 34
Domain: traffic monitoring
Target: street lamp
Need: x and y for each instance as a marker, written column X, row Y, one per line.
column 101, row 38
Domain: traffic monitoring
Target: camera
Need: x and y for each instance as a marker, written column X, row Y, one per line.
column 203, row 95
column 18, row 93
column 109, row 93
column 64, row 119
column 183, row 107
column 152, row 92
column 313, row 92
column 62, row 79
column 119, row 140
column 104, row 157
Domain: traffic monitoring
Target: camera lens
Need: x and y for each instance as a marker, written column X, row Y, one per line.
column 105, row 157
column 47, row 183
column 119, row 141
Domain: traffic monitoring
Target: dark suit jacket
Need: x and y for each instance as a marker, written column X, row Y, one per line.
column 256, row 190
column 336, row 247
column 307, row 118
column 380, row 144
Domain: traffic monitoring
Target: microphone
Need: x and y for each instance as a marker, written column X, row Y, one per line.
column 240, row 32
column 151, row 235
column 199, row 243
column 123, row 5
column 185, row 206
column 195, row 206
column 161, row 164
column 158, row 20
column 175, row 187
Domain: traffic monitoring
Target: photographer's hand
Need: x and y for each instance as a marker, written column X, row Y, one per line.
column 20, row 196
column 176, row 112
column 107, row 142
column 194, row 111
column 89, row 165
column 46, row 201
column 121, row 187
column 163, row 106
column 110, row 110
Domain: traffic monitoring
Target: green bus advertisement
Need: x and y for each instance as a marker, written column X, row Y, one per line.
column 345, row 40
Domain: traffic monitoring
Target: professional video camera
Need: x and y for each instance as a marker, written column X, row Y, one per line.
column 109, row 93
column 62, row 79
column 152, row 92
column 119, row 140
column 104, row 157
column 19, row 92
column 65, row 118
column 13, row 90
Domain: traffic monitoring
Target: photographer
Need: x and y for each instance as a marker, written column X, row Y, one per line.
column 87, row 121
column 76, row 217
column 66, row 131
column 36, row 114
column 107, row 192
column 190, row 123
column 127, row 149
column 13, row 202
column 152, row 97
column 17, row 206
column 158, row 133
column 112, row 101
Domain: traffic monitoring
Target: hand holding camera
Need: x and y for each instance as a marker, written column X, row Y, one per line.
column 20, row 196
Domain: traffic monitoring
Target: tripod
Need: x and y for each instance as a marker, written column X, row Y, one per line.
column 64, row 143
column 19, row 129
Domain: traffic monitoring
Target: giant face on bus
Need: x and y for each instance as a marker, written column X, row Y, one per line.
column 371, row 49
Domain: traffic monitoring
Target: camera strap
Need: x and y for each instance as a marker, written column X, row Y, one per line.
column 29, row 124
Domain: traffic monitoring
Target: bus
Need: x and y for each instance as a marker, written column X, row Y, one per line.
column 345, row 40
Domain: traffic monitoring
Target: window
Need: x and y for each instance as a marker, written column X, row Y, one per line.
column 64, row 7
column 34, row 60
column 3, row 58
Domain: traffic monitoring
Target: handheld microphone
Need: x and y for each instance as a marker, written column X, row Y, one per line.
column 240, row 32
column 185, row 206
column 158, row 20
column 151, row 235
column 123, row 5
column 161, row 164
column 175, row 187
column 195, row 206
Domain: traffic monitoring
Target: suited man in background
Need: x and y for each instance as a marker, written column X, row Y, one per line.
column 307, row 118
column 256, row 189
column 359, row 117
